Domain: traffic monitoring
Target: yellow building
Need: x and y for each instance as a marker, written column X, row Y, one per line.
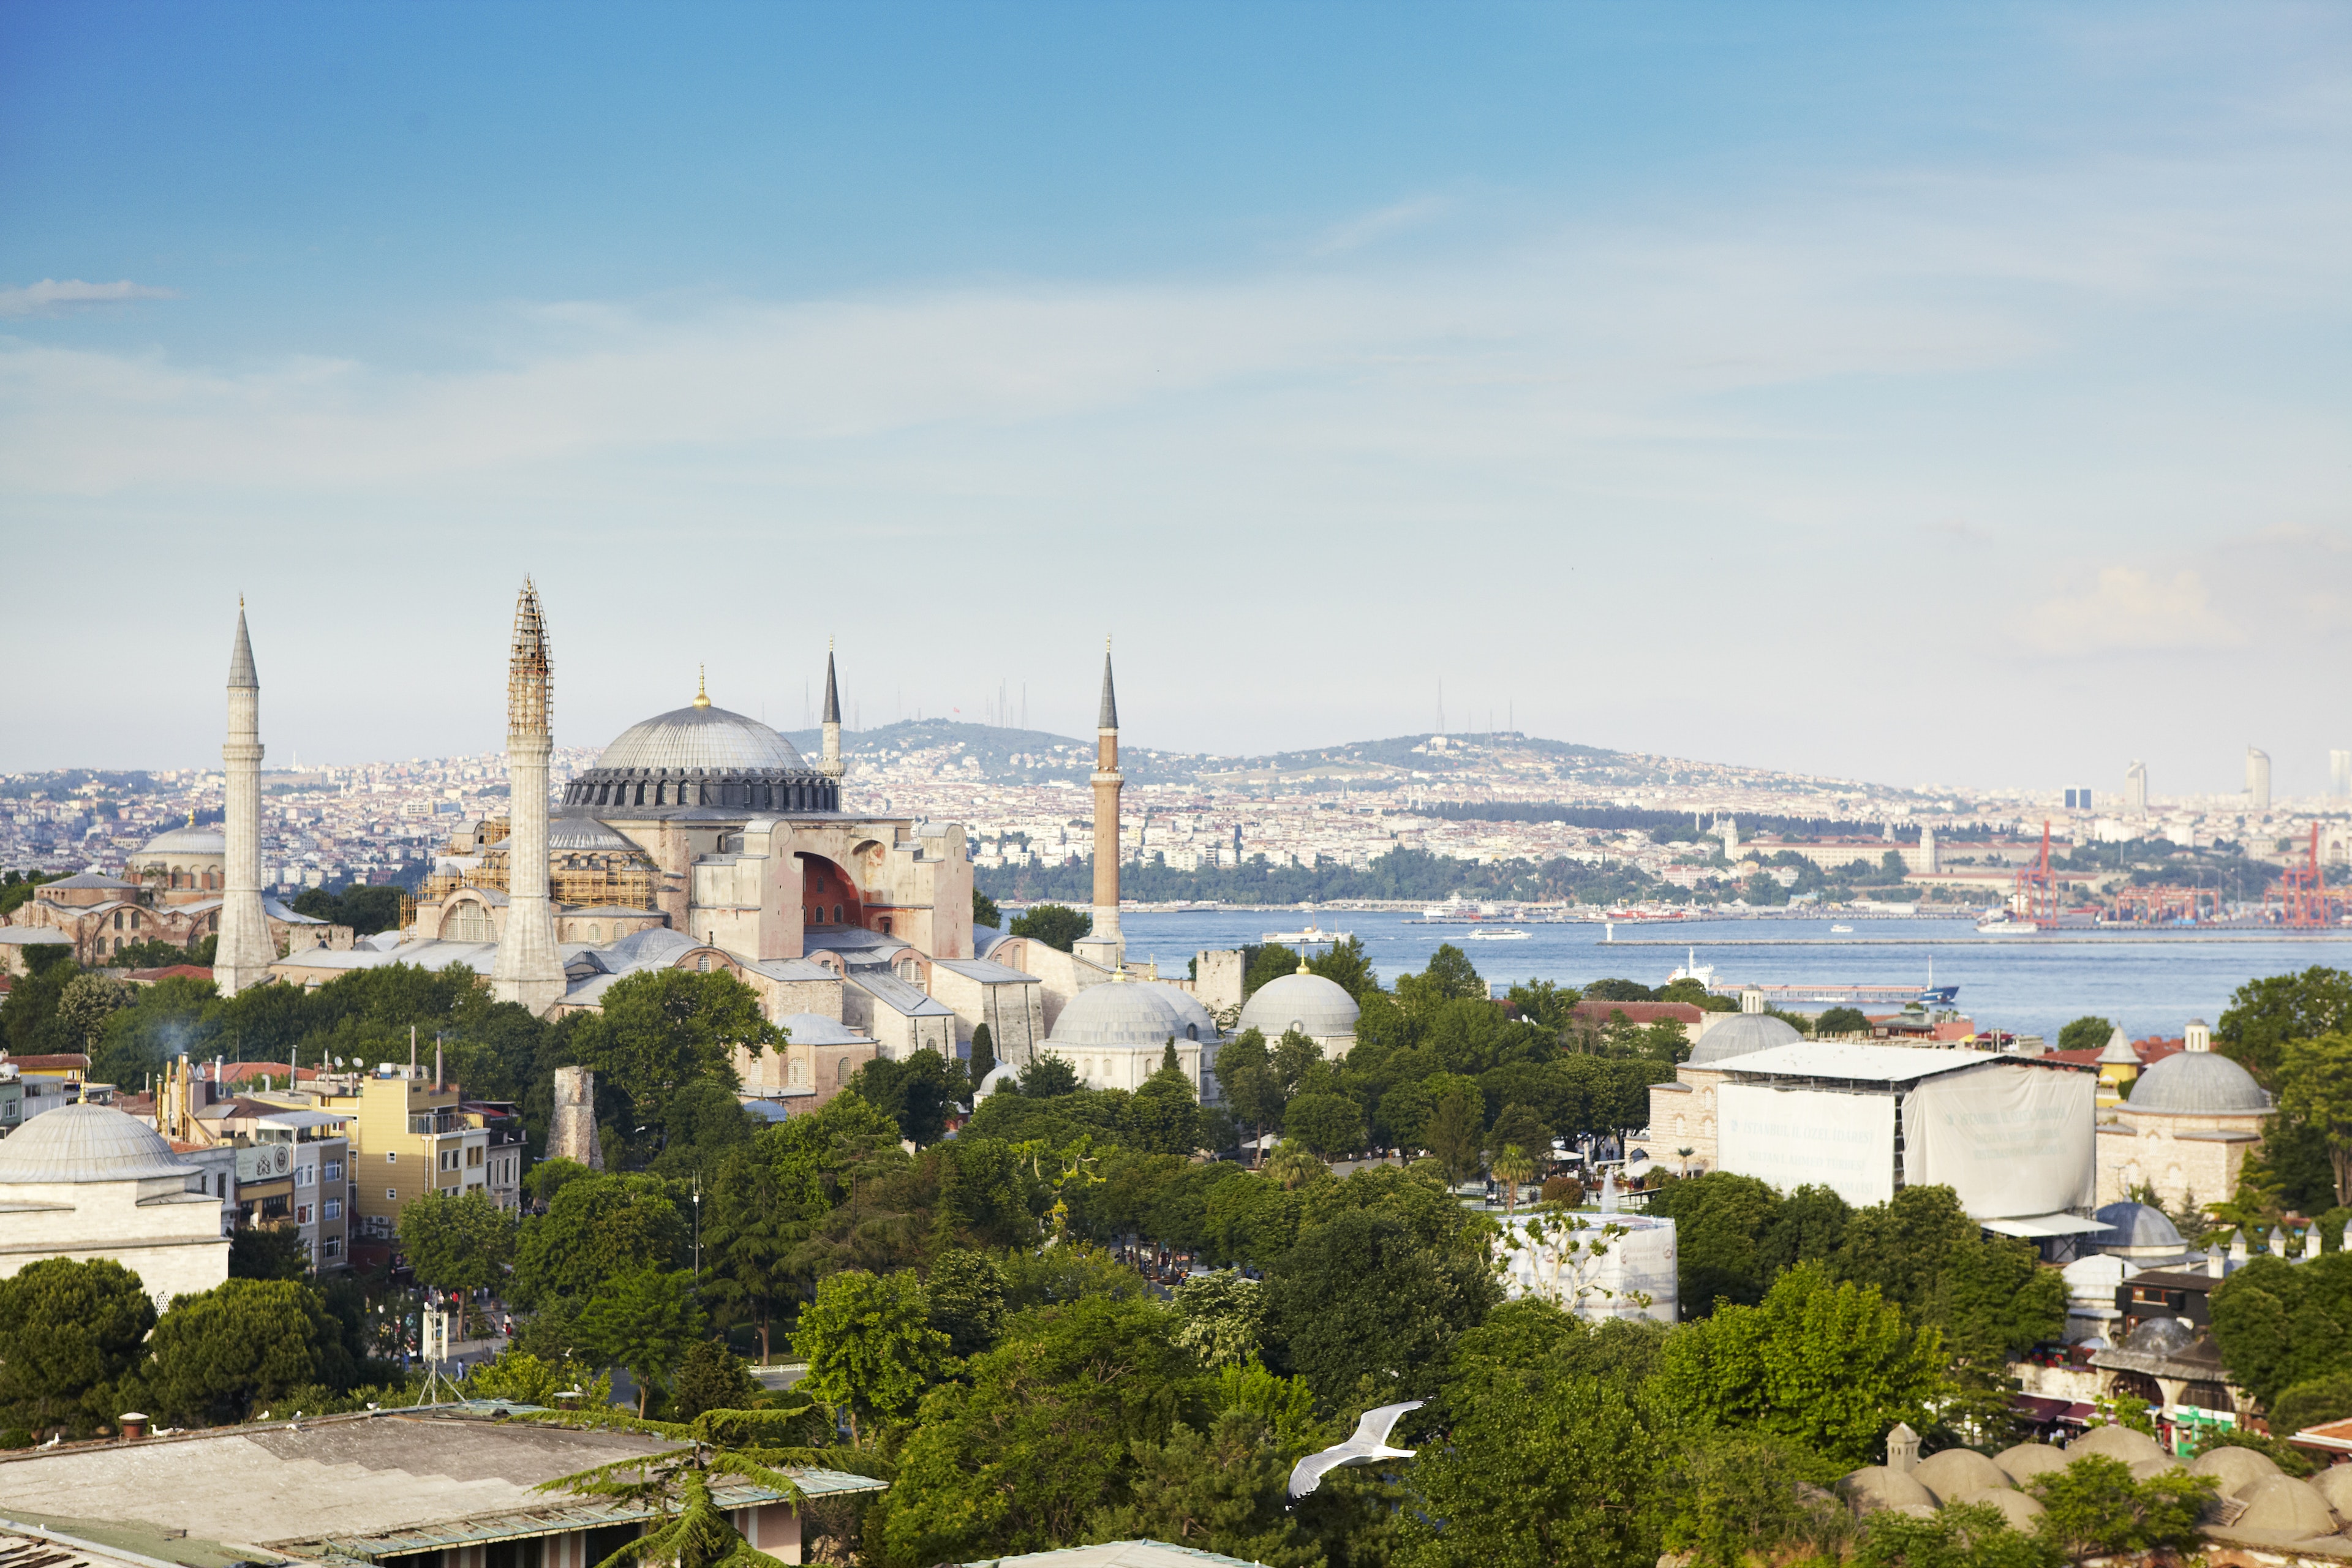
column 410, row 1136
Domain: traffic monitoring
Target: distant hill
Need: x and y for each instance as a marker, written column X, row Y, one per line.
column 987, row 753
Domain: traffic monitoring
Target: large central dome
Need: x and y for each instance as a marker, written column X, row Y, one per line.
column 710, row 739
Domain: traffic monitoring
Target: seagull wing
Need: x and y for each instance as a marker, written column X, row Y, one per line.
column 1368, row 1444
column 1372, row 1428
column 1308, row 1473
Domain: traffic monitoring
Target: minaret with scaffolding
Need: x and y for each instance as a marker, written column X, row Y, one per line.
column 529, row 971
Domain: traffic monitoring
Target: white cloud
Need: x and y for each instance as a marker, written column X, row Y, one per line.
column 55, row 295
column 2128, row 609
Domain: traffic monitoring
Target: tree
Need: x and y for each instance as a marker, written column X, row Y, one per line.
column 2313, row 1402
column 1055, row 925
column 1722, row 1222
column 1330, row 1124
column 2265, row 1015
column 1362, row 1297
column 2087, row 1033
column 88, row 1002
column 1456, row 1133
column 645, row 1321
column 216, row 1356
column 267, row 1252
column 1957, row 1535
column 1514, row 1168
column 711, row 1377
column 1988, row 1295
column 1451, row 976
column 2280, row 1325
column 596, row 1227
column 1039, row 1434
column 1346, row 966
column 966, row 1292
column 706, row 1120
column 870, row 1345
column 457, row 1243
column 2095, row 1507
column 1048, row 1077
column 1294, row 1166
column 918, row 1093
column 1827, row 1364
column 1253, row 1093
column 517, row 1376
column 984, row 912
column 1222, row 1490
column 984, row 1055
column 1520, row 1124
column 1738, row 1496
column 662, row 1029
column 2314, row 1079
column 1221, row 1318
column 69, row 1334
column 1841, row 1021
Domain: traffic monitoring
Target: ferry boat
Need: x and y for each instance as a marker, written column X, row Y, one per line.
column 1312, row 936
column 1840, row 931
column 1494, row 936
column 2007, row 925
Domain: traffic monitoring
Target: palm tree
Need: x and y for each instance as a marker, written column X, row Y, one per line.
column 1293, row 1164
column 1512, row 1168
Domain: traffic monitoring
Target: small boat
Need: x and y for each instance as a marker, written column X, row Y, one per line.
column 2006, row 926
column 1840, row 931
column 1494, row 936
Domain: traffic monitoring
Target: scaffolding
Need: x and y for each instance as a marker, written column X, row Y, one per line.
column 530, row 673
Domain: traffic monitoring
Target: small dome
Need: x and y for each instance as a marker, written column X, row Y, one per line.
column 187, row 841
column 1002, row 1079
column 2138, row 1224
column 1877, row 1487
column 711, row 739
column 87, row 1143
column 1307, row 1002
column 1958, row 1472
column 1119, row 1013
column 2162, row 1465
column 2234, row 1468
column 2288, row 1506
column 2333, row 1484
column 2116, row 1443
column 2160, row 1336
column 1741, row 1034
column 2027, row 1460
column 816, row 1029
column 2198, row 1083
column 2015, row 1507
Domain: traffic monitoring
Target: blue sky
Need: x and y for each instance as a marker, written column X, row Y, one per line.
column 1919, row 394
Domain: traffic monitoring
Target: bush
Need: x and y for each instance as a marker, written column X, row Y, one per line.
column 2312, row 1402
column 1565, row 1191
column 15, row 1437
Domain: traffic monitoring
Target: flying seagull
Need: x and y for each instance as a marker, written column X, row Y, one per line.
column 1369, row 1446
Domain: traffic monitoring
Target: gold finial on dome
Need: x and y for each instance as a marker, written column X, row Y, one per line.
column 701, row 689
column 192, row 817
column 1302, row 964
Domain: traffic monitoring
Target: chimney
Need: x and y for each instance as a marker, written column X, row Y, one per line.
column 412, row 1052
column 1902, row 1449
column 2213, row 1268
column 134, row 1426
column 438, row 1082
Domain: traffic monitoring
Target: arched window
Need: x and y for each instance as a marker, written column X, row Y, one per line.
column 471, row 922
column 836, row 914
column 703, row 963
column 841, row 1070
column 1192, row 1031
column 118, row 944
column 884, row 926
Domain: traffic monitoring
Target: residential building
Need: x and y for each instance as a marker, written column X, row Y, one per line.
column 411, row 1135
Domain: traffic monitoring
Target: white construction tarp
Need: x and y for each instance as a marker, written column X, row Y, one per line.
column 1796, row 1137
column 2011, row 1140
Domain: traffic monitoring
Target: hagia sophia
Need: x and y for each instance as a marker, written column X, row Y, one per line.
column 702, row 839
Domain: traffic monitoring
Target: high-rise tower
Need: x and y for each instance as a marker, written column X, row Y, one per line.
column 2258, row 780
column 1104, row 944
column 2339, row 774
column 2136, row 789
column 245, row 951
column 528, row 970
column 830, row 765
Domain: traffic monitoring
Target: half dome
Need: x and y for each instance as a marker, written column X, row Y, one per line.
column 87, row 1142
column 1313, row 1005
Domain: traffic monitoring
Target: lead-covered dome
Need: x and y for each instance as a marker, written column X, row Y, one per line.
column 1740, row 1035
column 2198, row 1083
column 187, row 841
column 1119, row 1013
column 1318, row 1007
column 87, row 1143
column 1199, row 1023
column 700, row 756
column 2139, row 1226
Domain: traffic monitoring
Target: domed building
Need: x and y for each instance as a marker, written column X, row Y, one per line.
column 1115, row 1035
column 87, row 1182
column 1682, row 1114
column 1306, row 1002
column 2186, row 1130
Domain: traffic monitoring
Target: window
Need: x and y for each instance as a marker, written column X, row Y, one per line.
column 334, row 1208
column 302, row 1214
column 474, row 1155
column 1191, row 1031
column 392, row 1195
column 392, row 1156
column 703, row 963
column 334, row 1172
column 449, row 1159
column 304, row 1174
column 334, row 1246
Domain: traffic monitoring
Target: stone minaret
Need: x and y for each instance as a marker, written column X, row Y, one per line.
column 831, row 766
column 245, row 950
column 528, row 969
column 1104, row 944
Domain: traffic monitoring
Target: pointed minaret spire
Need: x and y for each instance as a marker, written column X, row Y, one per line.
column 1103, row 944
column 245, row 950
column 528, row 969
column 831, row 765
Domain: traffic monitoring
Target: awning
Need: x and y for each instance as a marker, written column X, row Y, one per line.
column 300, row 1118
column 2034, row 1228
column 2042, row 1410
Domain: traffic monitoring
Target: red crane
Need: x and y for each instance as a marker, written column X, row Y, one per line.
column 2303, row 891
column 2036, row 897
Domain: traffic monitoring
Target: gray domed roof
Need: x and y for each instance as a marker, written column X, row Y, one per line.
column 711, row 739
column 2197, row 1083
column 87, row 1143
column 1741, row 1034
column 2160, row 1336
column 1119, row 1013
column 1188, row 1008
column 2138, row 1224
column 584, row 833
column 187, row 841
column 1307, row 1002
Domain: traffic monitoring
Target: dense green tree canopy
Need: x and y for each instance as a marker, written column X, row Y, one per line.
column 596, row 1227
column 1055, row 925
column 664, row 1030
column 218, row 1356
column 70, row 1335
column 456, row 1242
